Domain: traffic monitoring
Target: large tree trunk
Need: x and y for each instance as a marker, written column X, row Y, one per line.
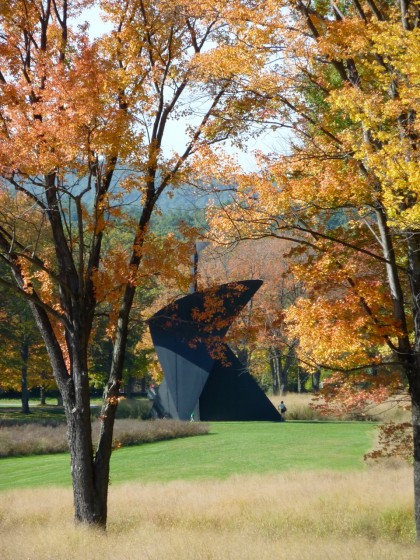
column 89, row 478
column 411, row 365
column 79, row 431
column 414, row 369
column 415, row 403
column 90, row 473
column 102, row 467
column 81, row 457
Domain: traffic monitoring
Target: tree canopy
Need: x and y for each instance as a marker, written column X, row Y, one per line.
column 84, row 152
column 346, row 191
column 83, row 125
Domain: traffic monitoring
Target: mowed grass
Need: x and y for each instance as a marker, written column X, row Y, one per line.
column 229, row 449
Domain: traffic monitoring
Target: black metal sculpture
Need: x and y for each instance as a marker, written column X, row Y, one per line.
column 202, row 376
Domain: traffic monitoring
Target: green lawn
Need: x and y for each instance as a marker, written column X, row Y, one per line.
column 230, row 448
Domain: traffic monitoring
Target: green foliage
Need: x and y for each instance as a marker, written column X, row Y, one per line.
column 397, row 525
column 18, row 329
column 170, row 221
column 134, row 408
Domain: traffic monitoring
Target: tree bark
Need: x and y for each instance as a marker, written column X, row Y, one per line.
column 284, row 378
column 24, row 354
column 284, row 372
column 73, row 384
column 316, row 378
column 302, row 377
column 280, row 370
column 80, row 443
column 275, row 367
column 42, row 398
column 414, row 367
column 415, row 404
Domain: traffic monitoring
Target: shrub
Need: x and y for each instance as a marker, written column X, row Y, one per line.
column 134, row 408
column 38, row 439
column 32, row 439
column 127, row 432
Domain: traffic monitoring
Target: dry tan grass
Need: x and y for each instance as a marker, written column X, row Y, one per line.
column 298, row 408
column 366, row 515
column 394, row 410
column 31, row 439
column 36, row 439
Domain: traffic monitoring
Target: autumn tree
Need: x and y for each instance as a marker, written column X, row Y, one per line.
column 345, row 84
column 24, row 362
column 84, row 129
column 258, row 336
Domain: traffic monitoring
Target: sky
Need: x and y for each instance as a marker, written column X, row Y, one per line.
column 175, row 134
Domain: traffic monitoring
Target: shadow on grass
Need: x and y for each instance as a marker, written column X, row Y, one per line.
column 38, row 414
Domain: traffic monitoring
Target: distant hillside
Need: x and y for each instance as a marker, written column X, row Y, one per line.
column 184, row 203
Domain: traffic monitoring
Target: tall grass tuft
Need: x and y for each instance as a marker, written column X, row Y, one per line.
column 129, row 432
column 39, row 439
column 32, row 439
column 300, row 407
column 303, row 516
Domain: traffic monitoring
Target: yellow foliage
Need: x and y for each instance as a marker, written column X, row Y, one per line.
column 348, row 87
